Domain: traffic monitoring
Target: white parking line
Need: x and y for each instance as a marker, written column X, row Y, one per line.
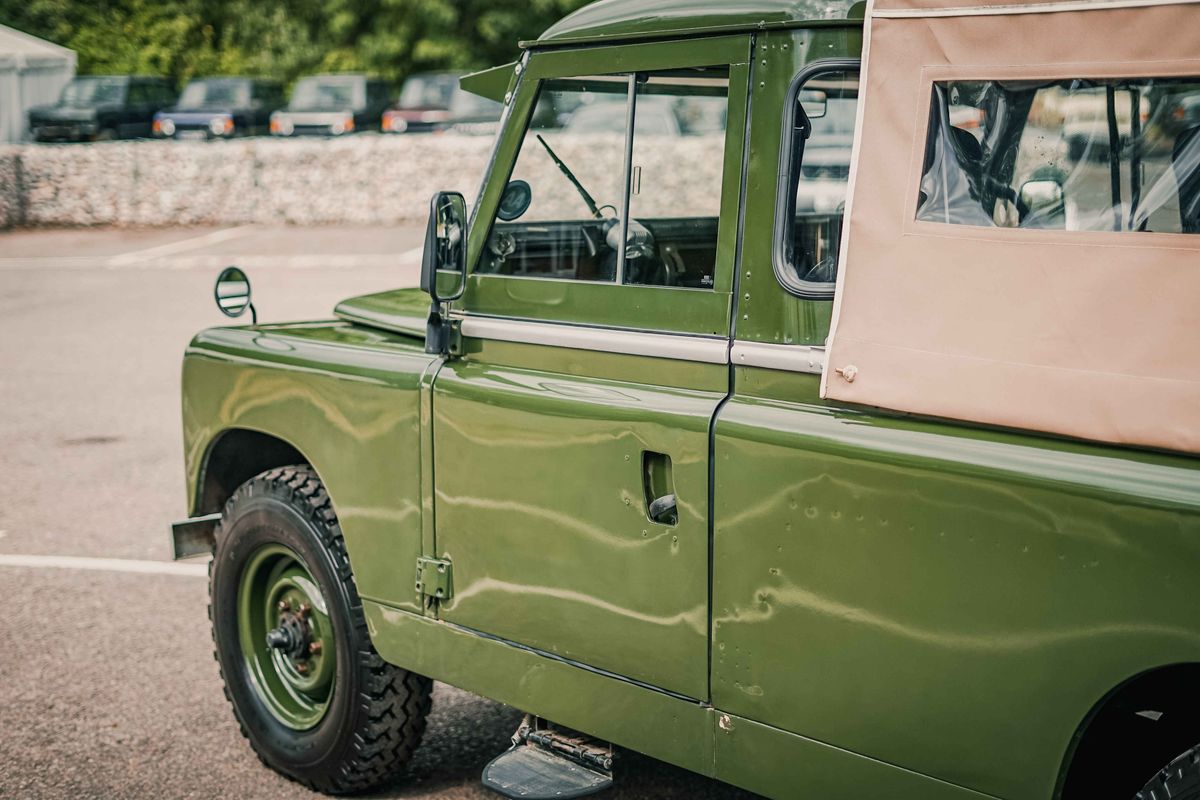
column 191, row 243
column 105, row 565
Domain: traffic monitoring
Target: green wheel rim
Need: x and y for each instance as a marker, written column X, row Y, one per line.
column 278, row 601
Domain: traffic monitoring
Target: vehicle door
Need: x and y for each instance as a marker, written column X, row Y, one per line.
column 137, row 111
column 571, row 438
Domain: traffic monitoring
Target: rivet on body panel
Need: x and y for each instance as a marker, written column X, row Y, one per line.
column 849, row 372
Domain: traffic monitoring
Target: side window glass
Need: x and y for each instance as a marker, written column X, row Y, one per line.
column 137, row 95
column 675, row 187
column 562, row 216
column 1079, row 155
column 813, row 199
column 559, row 213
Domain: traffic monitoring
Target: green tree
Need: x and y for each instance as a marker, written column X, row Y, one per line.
column 284, row 39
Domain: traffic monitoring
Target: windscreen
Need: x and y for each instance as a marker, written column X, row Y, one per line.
column 428, row 91
column 87, row 92
column 328, row 94
column 215, row 94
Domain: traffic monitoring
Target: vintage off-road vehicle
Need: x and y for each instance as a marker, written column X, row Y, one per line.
column 829, row 454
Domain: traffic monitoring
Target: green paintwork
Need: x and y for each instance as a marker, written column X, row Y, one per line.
column 991, row 586
column 490, row 83
column 539, row 473
column 884, row 606
column 276, row 577
column 675, row 310
column 609, row 20
column 346, row 398
column 400, row 311
column 766, row 313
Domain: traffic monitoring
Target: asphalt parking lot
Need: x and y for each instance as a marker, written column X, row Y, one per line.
column 108, row 683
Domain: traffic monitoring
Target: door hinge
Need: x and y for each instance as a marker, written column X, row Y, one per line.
column 433, row 579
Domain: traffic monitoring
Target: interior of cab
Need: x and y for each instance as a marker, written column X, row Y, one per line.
column 618, row 179
column 1096, row 155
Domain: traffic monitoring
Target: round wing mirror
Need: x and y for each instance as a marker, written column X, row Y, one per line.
column 232, row 293
column 515, row 200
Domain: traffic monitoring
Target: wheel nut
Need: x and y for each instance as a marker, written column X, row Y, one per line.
column 305, row 609
column 283, row 605
column 314, row 648
column 302, row 668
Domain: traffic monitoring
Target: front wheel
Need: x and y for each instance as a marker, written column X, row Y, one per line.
column 1179, row 780
column 315, row 700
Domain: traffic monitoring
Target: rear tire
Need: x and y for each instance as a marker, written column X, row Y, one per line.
column 318, row 705
column 1179, row 780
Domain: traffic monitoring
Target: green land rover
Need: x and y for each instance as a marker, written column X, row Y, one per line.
column 810, row 398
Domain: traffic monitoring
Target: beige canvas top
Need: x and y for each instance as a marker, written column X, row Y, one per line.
column 924, row 8
column 1091, row 334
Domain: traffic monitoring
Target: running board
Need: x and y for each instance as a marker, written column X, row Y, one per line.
column 545, row 763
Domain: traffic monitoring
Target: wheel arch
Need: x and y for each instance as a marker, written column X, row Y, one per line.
column 234, row 456
column 1135, row 729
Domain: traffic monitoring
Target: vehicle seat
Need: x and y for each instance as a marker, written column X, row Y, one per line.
column 970, row 152
column 1185, row 162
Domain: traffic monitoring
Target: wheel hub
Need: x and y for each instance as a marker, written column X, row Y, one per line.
column 293, row 635
column 286, row 637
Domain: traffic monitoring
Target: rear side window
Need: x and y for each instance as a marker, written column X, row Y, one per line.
column 1077, row 155
column 818, row 139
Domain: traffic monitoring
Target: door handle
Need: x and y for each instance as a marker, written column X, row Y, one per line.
column 663, row 510
column 659, row 484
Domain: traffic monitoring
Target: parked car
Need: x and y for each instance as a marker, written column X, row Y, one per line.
column 826, row 166
column 921, row 525
column 655, row 116
column 473, row 115
column 98, row 107
column 220, row 108
column 424, row 103
column 332, row 105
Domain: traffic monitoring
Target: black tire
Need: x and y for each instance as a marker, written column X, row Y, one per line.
column 376, row 712
column 1179, row 780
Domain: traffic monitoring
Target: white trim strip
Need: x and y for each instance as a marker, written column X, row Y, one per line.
column 704, row 349
column 788, row 357
column 1037, row 8
column 104, row 565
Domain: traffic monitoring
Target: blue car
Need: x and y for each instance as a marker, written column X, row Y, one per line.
column 221, row 108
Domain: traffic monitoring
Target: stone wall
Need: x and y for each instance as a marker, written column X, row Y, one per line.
column 366, row 179
column 362, row 179
column 10, row 188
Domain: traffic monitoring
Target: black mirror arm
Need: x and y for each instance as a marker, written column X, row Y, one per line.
column 436, row 331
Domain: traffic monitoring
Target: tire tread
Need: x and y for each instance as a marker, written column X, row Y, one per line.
column 393, row 702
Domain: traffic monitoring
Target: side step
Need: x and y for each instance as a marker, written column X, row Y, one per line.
column 545, row 763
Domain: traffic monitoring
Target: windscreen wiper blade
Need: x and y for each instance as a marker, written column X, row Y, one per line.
column 587, row 198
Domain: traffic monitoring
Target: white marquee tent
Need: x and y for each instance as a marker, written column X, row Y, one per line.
column 32, row 71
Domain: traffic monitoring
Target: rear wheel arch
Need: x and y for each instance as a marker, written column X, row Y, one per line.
column 233, row 457
column 1133, row 731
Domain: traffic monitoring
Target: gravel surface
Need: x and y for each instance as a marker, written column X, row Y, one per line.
column 109, row 687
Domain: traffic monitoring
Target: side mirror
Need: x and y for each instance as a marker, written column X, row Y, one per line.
column 1042, row 202
column 232, row 293
column 445, row 245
